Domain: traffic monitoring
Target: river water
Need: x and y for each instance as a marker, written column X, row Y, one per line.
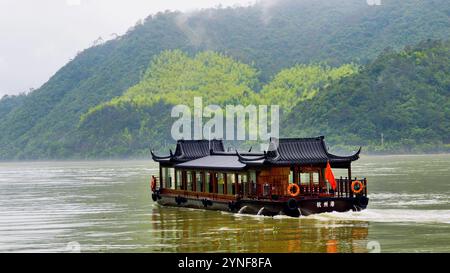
column 105, row 206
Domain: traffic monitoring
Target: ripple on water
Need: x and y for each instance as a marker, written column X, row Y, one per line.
column 403, row 200
column 105, row 206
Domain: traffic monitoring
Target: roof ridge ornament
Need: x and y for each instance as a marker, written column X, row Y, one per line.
column 156, row 157
column 244, row 159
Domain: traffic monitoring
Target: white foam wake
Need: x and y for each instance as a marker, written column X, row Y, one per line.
column 388, row 216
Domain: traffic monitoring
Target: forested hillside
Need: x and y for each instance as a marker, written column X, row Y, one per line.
column 402, row 97
column 301, row 82
column 270, row 36
column 141, row 118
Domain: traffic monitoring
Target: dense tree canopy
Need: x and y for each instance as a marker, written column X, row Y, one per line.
column 301, row 82
column 268, row 37
column 176, row 78
column 141, row 117
column 403, row 95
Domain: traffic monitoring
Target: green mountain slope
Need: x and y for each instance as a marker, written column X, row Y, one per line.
column 293, row 85
column 43, row 124
column 141, row 117
column 403, row 95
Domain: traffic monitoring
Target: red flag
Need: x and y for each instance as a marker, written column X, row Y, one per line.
column 330, row 176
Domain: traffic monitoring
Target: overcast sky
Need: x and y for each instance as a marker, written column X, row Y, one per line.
column 37, row 37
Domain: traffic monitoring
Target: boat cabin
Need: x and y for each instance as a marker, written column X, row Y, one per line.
column 203, row 170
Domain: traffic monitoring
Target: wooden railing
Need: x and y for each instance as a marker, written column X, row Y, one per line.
column 343, row 187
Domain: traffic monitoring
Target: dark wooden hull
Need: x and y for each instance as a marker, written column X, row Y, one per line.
column 291, row 207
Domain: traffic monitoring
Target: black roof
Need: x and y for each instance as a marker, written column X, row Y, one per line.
column 198, row 154
column 187, row 150
column 299, row 151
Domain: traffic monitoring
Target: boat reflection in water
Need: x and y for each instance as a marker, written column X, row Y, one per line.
column 191, row 230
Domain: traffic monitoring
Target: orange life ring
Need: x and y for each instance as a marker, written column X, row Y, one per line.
column 357, row 186
column 153, row 183
column 293, row 193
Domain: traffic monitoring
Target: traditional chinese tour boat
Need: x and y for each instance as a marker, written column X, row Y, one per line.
column 294, row 177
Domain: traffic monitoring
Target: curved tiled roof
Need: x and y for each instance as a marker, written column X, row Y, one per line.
column 284, row 151
column 301, row 151
column 187, row 150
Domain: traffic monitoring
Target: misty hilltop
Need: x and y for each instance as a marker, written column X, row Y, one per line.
column 97, row 105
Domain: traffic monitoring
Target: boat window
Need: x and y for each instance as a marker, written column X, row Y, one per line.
column 171, row 178
column 163, row 177
column 199, row 182
column 243, row 185
column 304, row 178
column 266, row 189
column 220, row 183
column 167, row 177
column 231, row 183
column 208, row 187
column 252, row 185
column 315, row 177
column 178, row 180
column 291, row 177
column 189, row 180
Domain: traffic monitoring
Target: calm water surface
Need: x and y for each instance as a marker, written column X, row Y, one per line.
column 105, row 206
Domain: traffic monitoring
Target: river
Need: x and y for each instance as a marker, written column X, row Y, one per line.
column 105, row 206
